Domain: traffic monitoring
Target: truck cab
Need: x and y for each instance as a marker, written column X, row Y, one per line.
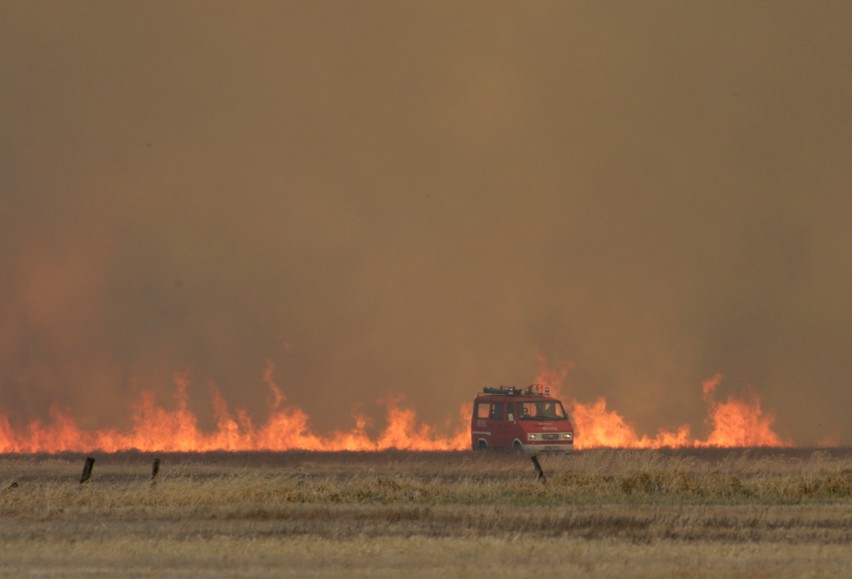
column 523, row 419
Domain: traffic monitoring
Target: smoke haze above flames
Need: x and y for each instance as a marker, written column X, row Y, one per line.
column 424, row 199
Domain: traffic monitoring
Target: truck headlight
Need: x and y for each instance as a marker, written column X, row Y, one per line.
column 568, row 436
column 532, row 436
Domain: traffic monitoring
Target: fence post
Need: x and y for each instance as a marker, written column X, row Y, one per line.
column 538, row 469
column 87, row 470
column 155, row 469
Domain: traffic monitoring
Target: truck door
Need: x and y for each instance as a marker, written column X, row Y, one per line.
column 481, row 429
column 501, row 432
column 516, row 430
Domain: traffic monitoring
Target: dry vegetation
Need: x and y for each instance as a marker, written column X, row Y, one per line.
column 747, row 512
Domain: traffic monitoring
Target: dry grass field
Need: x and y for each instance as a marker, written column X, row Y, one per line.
column 456, row 514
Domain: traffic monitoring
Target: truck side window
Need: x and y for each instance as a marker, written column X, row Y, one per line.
column 483, row 410
column 496, row 411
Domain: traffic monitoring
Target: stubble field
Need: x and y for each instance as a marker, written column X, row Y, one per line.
column 450, row 514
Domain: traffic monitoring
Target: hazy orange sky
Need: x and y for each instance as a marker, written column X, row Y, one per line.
column 423, row 197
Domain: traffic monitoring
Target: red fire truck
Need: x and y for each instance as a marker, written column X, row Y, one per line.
column 525, row 419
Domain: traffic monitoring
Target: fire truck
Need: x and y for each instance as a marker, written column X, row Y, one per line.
column 526, row 419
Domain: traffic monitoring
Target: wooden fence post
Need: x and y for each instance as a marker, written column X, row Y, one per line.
column 538, row 469
column 155, row 469
column 87, row 470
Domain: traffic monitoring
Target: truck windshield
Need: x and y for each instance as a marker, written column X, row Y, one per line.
column 541, row 410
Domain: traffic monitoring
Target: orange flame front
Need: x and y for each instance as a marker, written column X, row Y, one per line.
column 734, row 422
column 739, row 421
column 288, row 428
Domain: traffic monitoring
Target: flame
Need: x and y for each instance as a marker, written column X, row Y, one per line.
column 737, row 421
column 595, row 426
column 552, row 378
column 288, row 427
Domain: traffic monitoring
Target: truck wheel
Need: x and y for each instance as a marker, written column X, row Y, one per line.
column 517, row 447
column 481, row 445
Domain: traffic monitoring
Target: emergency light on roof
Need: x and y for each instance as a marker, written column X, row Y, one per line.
column 531, row 390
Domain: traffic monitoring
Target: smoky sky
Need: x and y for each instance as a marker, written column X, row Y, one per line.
column 423, row 198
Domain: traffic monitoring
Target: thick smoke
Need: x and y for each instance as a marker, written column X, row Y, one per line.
column 423, row 198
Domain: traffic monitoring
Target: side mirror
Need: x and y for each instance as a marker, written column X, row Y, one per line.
column 511, row 417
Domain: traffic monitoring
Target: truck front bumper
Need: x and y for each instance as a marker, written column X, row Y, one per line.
column 547, row 447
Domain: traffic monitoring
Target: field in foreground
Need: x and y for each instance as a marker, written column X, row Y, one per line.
column 456, row 514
